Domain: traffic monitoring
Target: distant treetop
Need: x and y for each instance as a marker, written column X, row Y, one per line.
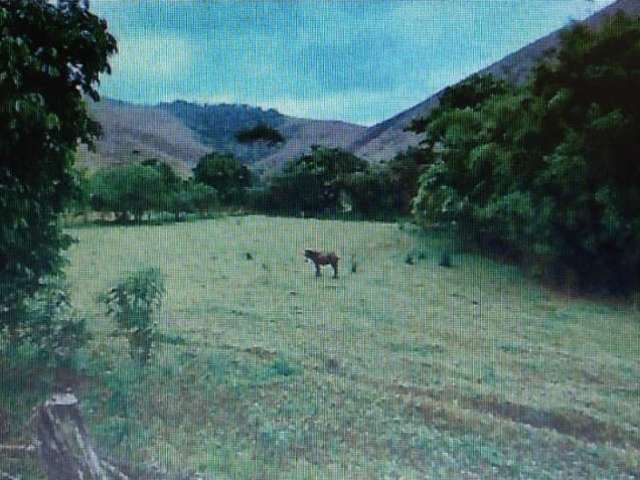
column 261, row 132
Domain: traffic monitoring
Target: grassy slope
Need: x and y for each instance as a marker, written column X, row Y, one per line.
column 395, row 371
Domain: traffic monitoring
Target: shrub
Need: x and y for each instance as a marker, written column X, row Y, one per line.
column 445, row 259
column 132, row 304
column 282, row 366
column 50, row 323
column 192, row 197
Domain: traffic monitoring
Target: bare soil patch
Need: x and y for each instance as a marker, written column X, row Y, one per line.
column 567, row 422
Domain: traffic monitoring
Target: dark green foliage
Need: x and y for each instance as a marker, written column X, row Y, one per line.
column 370, row 192
column 151, row 186
column 386, row 190
column 168, row 177
column 226, row 174
column 549, row 172
column 49, row 58
column 402, row 174
column 192, row 197
column 314, row 183
column 467, row 94
column 445, row 259
column 260, row 133
column 129, row 189
column 282, row 366
column 50, row 323
column 132, row 304
column 331, row 181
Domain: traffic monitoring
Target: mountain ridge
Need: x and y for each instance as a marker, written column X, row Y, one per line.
column 387, row 138
column 181, row 132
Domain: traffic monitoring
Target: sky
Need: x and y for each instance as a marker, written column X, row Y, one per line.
column 359, row 61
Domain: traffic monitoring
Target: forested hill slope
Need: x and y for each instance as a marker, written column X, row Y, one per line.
column 384, row 140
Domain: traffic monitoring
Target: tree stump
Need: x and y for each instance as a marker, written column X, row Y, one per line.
column 63, row 445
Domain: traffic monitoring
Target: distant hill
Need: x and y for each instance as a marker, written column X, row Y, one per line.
column 137, row 131
column 181, row 132
column 384, row 140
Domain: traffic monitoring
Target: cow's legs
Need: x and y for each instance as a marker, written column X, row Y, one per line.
column 317, row 270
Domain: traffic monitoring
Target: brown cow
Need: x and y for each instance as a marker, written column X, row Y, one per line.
column 320, row 259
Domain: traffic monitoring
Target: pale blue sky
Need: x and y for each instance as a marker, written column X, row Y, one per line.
column 355, row 60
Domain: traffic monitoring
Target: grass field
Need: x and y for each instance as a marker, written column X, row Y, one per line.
column 395, row 371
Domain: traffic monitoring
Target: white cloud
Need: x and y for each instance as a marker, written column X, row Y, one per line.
column 154, row 55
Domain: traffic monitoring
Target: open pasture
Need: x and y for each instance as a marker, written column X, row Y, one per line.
column 398, row 370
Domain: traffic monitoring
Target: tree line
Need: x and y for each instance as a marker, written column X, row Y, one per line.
column 323, row 182
column 548, row 172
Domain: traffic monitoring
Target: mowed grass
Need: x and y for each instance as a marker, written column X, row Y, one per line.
column 395, row 371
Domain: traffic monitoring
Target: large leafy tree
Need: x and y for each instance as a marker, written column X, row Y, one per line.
column 226, row 174
column 51, row 56
column 314, row 182
column 400, row 177
column 592, row 173
column 132, row 189
column 548, row 171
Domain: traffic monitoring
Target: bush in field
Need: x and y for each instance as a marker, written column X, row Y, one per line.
column 226, row 174
column 132, row 303
column 330, row 180
column 51, row 56
column 386, row 189
column 401, row 175
column 170, row 181
column 548, row 171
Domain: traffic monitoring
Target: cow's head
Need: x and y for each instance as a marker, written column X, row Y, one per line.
column 310, row 254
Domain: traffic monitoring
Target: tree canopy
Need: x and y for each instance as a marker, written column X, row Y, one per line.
column 225, row 173
column 548, row 171
column 260, row 133
column 313, row 182
column 51, row 57
column 129, row 189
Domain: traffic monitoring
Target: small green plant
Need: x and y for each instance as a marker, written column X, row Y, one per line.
column 132, row 304
column 283, row 367
column 445, row 259
column 51, row 324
